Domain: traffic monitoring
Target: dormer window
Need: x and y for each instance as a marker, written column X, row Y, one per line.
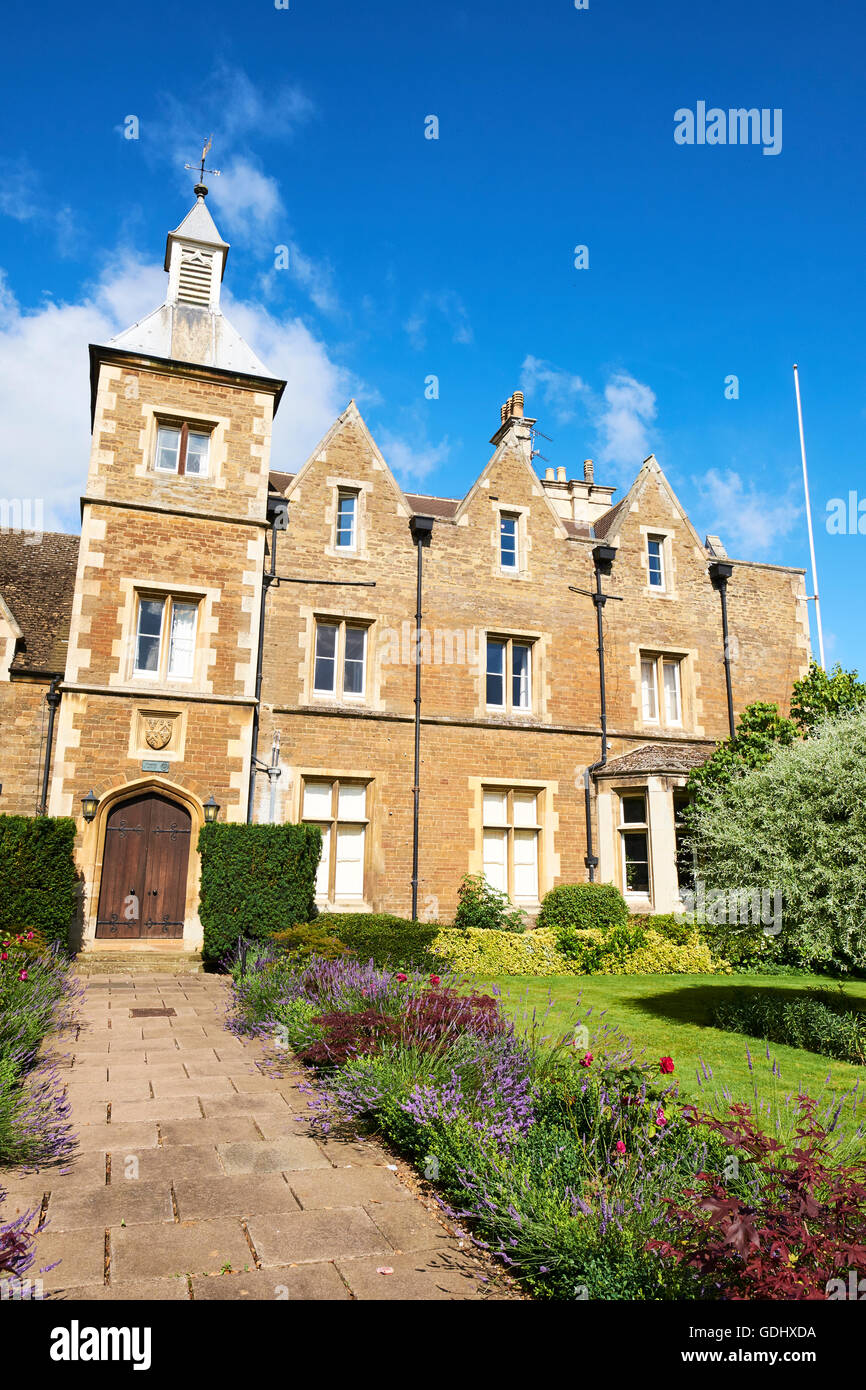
column 182, row 449
column 347, row 520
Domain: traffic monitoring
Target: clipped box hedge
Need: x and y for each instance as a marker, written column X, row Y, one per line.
column 38, row 878
column 255, row 880
column 393, row 942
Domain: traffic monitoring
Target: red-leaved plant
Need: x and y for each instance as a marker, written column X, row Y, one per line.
column 431, row 1020
column 806, row 1224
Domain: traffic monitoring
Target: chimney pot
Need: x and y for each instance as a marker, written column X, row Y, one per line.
column 588, row 471
column 517, row 404
column 549, row 475
column 560, row 474
column 503, row 412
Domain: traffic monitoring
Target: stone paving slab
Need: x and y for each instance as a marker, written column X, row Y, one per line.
column 191, row 1162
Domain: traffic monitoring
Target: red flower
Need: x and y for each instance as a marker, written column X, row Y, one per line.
column 434, row 980
column 666, row 1065
column 661, row 1119
column 586, row 1059
column 30, row 936
column 620, row 1146
column 22, row 974
column 4, row 955
column 402, row 979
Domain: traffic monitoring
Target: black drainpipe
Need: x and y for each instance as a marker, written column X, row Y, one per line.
column 278, row 516
column 603, row 557
column 720, row 573
column 421, row 528
column 53, row 698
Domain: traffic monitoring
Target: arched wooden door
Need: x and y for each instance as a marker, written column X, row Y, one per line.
column 144, row 869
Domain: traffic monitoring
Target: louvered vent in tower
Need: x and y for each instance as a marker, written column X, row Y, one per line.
column 196, row 270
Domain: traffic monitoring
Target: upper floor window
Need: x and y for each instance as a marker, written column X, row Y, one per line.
column 634, row 842
column 510, row 833
column 182, row 449
column 661, row 674
column 341, row 659
column 508, row 537
column 165, row 639
column 347, row 520
column 656, row 561
column 509, row 674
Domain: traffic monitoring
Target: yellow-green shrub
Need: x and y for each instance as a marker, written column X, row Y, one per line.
column 501, row 953
column 661, row 956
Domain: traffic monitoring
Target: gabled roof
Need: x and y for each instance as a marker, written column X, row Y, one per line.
column 37, row 582
column 608, row 527
column 508, row 446
column 351, row 415
column 652, row 758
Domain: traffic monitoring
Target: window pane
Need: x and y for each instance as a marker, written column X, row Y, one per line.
column 323, row 872
column 648, row 689
column 167, row 448
column 346, row 508
column 352, row 801
column 353, row 673
column 525, row 808
column 495, row 867
column 496, row 673
column 182, row 645
column 520, row 676
column 672, row 691
column 656, row 572
column 508, row 542
column 349, row 881
column 326, row 658
column 526, row 865
column 197, row 446
column 634, row 810
column 636, row 861
column 147, row 643
column 495, row 808
column 317, row 801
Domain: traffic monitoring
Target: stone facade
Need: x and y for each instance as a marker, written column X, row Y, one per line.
column 508, row 574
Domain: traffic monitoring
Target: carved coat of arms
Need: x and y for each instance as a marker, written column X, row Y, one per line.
column 157, row 732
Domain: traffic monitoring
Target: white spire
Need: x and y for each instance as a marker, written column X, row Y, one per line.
column 195, row 258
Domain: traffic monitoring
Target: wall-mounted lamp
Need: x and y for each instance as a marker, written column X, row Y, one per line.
column 89, row 804
column 211, row 810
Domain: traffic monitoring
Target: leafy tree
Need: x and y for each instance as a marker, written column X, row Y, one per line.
column 795, row 825
column 760, row 731
column 819, row 696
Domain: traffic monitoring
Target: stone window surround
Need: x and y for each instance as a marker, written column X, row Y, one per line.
column 665, row 534
column 217, row 426
column 658, row 653
column 123, row 649
column 502, row 508
column 300, row 776
column 659, row 790
column 310, row 619
column 361, row 488
column 548, row 820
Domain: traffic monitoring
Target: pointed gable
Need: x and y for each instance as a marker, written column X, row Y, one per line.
column 650, row 498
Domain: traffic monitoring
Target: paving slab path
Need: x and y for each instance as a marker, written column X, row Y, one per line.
column 194, row 1180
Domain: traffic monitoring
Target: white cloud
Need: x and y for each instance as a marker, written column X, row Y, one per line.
column 245, row 200
column 750, row 522
column 412, row 463
column 557, row 388
column 623, row 421
column 450, row 307
column 45, row 391
column 23, row 198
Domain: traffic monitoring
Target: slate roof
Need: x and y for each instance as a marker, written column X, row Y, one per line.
column 650, row 758
column 37, row 583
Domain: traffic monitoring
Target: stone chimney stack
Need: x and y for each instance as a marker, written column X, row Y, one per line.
column 588, row 471
column 513, row 421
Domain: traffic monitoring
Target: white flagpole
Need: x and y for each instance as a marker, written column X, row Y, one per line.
column 809, row 519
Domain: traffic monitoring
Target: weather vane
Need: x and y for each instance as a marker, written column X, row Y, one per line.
column 200, row 187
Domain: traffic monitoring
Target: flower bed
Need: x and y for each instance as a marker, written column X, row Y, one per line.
column 562, row 1156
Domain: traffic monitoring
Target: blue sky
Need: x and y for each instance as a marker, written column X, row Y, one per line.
column 454, row 257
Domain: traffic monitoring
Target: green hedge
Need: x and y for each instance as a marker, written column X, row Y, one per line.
column 396, row 942
column 37, row 875
column 255, row 880
column 574, row 907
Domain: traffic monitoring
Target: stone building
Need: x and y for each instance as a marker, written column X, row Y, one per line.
column 135, row 663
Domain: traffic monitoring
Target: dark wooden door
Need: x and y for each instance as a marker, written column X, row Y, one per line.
column 144, row 869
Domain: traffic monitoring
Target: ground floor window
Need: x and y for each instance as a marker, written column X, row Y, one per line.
column 339, row 808
column 511, row 833
column 685, row 858
column 634, row 842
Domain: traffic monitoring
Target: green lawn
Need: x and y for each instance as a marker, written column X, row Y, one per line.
column 669, row 1015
